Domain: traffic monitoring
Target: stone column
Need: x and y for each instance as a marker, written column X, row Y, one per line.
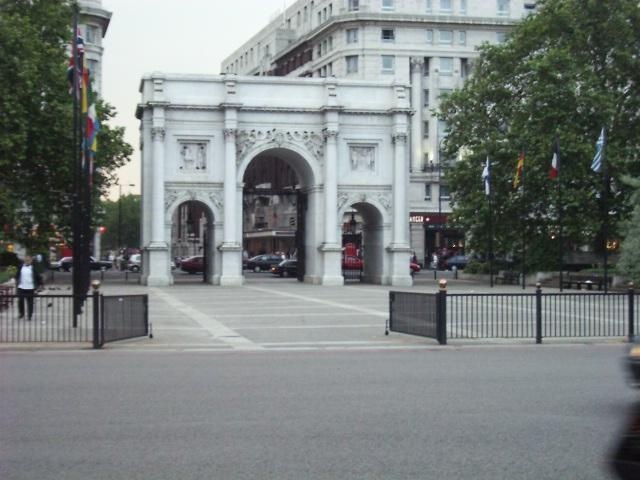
column 417, row 155
column 331, row 248
column 158, row 249
column 230, row 248
column 399, row 249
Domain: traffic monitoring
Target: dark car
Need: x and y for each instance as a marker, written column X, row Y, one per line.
column 286, row 268
column 263, row 263
column 457, row 261
column 66, row 264
column 193, row 265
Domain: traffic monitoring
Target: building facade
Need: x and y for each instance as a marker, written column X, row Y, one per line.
column 429, row 44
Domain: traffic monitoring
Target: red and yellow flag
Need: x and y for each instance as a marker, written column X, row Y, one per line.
column 519, row 168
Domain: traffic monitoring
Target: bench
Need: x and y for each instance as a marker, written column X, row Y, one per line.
column 587, row 281
column 6, row 296
column 507, row 276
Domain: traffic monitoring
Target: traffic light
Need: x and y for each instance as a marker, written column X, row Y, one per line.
column 102, row 229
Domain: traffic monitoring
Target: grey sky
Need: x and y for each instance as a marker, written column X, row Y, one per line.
column 182, row 36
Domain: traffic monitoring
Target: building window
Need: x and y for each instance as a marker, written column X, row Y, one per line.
column 352, row 35
column 463, row 7
column 427, row 191
column 330, row 43
column 464, row 67
column 91, row 34
column 429, row 5
column 387, row 4
column 330, row 69
column 446, row 37
column 388, row 63
column 462, row 37
column 388, row 35
column 354, row 5
column 501, row 37
column 425, row 98
column 426, row 66
column 446, row 65
column 352, row 63
column 425, row 129
column 429, row 36
column 444, row 192
column 445, row 5
column 319, row 17
column 319, row 50
column 330, row 9
column 503, row 8
column 288, row 24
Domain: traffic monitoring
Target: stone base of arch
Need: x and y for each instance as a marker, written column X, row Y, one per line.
column 331, row 265
column 231, row 259
column 399, row 275
column 158, row 268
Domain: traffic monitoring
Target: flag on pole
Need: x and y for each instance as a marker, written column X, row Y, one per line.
column 596, row 165
column 519, row 168
column 555, row 163
column 78, row 50
column 486, row 178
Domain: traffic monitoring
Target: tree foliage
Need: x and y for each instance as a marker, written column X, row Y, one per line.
column 629, row 263
column 122, row 216
column 563, row 74
column 36, row 120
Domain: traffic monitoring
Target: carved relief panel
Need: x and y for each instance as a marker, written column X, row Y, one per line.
column 193, row 157
column 362, row 158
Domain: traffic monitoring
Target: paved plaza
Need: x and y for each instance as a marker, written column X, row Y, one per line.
column 269, row 313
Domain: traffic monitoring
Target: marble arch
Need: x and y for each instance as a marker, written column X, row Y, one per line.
column 346, row 140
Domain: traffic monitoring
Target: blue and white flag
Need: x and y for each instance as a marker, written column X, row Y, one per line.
column 486, row 178
column 596, row 165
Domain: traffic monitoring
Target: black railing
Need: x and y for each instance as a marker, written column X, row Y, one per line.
column 513, row 315
column 124, row 317
column 101, row 319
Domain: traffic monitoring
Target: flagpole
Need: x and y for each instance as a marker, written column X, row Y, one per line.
column 524, row 228
column 77, row 162
column 605, row 209
column 490, row 224
column 560, row 246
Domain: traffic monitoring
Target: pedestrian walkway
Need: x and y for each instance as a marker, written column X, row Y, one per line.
column 270, row 313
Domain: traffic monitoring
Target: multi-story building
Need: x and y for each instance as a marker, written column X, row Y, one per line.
column 430, row 44
column 93, row 24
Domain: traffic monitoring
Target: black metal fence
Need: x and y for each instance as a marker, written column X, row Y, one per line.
column 101, row 318
column 124, row 317
column 513, row 315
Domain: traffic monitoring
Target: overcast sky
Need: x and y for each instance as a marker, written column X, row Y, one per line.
column 176, row 36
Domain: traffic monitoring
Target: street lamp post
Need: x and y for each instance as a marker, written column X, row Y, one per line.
column 120, row 213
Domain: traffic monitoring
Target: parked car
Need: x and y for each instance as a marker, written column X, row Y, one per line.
column 263, row 263
column 193, row 265
column 286, row 268
column 66, row 264
column 457, row 261
column 349, row 262
column 135, row 262
column 414, row 267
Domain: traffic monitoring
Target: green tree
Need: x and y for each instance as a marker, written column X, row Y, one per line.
column 563, row 74
column 629, row 263
column 36, row 146
column 123, row 214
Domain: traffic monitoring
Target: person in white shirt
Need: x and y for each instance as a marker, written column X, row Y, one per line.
column 27, row 282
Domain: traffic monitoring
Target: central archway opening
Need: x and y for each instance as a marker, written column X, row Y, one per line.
column 274, row 216
column 362, row 244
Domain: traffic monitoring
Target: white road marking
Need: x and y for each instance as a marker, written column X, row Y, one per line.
column 218, row 330
column 323, row 302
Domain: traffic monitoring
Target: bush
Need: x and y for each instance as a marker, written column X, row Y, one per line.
column 7, row 274
column 476, row 266
column 8, row 259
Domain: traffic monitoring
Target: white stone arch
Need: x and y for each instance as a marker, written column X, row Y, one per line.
column 212, row 200
column 311, row 171
column 376, row 210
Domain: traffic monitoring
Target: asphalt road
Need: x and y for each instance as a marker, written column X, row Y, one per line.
column 492, row 412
